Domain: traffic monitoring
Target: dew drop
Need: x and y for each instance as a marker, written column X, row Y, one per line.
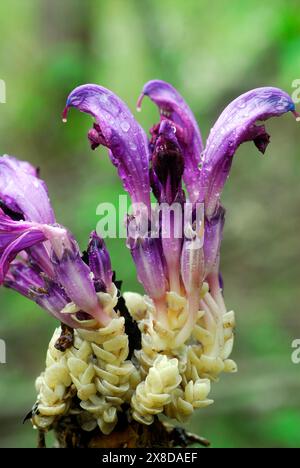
column 242, row 105
column 103, row 98
column 125, row 126
column 132, row 146
column 297, row 115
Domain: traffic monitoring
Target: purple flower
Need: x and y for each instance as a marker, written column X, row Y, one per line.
column 117, row 129
column 150, row 265
column 39, row 258
column 168, row 168
column 236, row 125
column 77, row 278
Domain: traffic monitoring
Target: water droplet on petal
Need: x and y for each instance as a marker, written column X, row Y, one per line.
column 125, row 126
column 132, row 146
column 103, row 98
column 242, row 104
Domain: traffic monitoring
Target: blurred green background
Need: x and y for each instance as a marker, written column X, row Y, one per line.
column 212, row 52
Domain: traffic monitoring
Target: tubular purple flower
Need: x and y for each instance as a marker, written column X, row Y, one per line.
column 99, row 263
column 173, row 107
column 168, row 166
column 236, row 125
column 26, row 224
column 18, row 236
column 148, row 258
column 117, row 129
column 70, row 270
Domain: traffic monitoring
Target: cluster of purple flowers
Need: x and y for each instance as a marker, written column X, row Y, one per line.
column 41, row 259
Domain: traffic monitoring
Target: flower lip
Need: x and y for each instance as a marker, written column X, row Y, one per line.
column 173, row 107
column 117, row 129
column 162, row 93
column 238, row 124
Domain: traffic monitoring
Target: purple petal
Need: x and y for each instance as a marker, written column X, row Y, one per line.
column 147, row 256
column 235, row 126
column 25, row 167
column 22, row 277
column 155, row 185
column 22, row 192
column 40, row 254
column 99, row 262
column 117, row 129
column 173, row 107
column 16, row 236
